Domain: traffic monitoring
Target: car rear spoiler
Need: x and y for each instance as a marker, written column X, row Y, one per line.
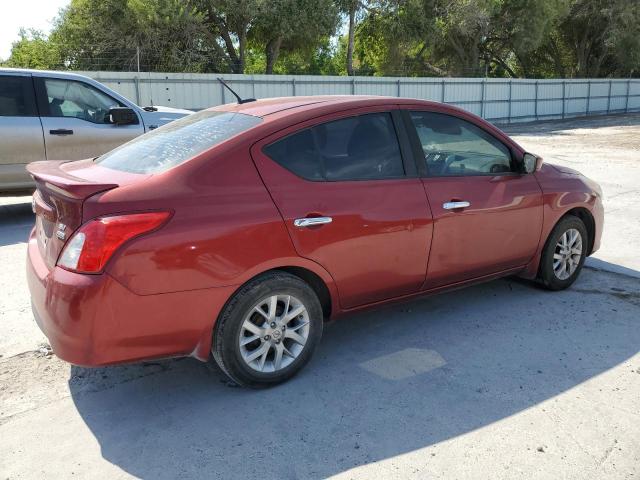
column 52, row 176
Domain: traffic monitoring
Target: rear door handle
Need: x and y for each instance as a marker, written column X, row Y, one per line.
column 61, row 131
column 455, row 205
column 310, row 222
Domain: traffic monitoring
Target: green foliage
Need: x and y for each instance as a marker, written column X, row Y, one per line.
column 499, row 38
column 292, row 26
column 320, row 61
column 33, row 50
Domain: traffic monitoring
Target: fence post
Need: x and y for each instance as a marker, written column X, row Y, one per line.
column 564, row 97
column 482, row 99
column 293, row 85
column 398, row 89
column 588, row 96
column 609, row 98
column 353, row 85
column 626, row 101
column 444, row 85
column 222, row 93
column 509, row 103
column 136, row 81
column 536, row 101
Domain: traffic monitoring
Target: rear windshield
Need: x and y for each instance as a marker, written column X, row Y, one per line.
column 176, row 142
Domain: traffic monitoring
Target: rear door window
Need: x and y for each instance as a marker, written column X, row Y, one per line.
column 17, row 98
column 177, row 141
column 364, row 147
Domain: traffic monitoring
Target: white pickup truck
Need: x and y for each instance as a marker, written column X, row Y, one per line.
column 64, row 116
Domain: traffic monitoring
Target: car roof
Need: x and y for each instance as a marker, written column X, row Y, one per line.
column 282, row 112
column 270, row 106
column 44, row 73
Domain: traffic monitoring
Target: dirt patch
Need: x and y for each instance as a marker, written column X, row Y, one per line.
column 33, row 379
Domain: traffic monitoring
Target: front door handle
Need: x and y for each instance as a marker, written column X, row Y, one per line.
column 311, row 221
column 61, row 131
column 455, row 205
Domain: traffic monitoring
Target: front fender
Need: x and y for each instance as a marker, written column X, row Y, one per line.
column 565, row 190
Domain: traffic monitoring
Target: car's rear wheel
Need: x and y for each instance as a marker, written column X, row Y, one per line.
column 564, row 253
column 268, row 331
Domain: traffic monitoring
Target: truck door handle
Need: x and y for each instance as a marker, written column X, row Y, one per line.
column 61, row 131
column 310, row 222
column 455, row 205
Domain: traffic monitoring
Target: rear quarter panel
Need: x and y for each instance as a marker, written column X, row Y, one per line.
column 224, row 230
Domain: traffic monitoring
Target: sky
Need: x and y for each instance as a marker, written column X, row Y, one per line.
column 36, row 14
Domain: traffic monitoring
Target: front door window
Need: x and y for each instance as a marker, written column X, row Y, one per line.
column 73, row 99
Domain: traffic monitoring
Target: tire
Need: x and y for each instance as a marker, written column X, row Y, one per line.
column 240, row 321
column 560, row 278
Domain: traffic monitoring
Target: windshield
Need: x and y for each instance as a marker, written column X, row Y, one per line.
column 177, row 142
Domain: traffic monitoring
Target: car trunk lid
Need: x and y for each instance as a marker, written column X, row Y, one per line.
column 62, row 188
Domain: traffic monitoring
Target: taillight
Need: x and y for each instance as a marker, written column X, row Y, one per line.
column 93, row 244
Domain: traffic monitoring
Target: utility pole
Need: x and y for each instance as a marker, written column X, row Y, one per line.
column 138, row 57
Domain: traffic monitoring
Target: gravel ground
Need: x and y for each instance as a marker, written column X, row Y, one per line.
column 501, row 380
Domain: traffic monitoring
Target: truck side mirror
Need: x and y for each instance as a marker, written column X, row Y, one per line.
column 122, row 116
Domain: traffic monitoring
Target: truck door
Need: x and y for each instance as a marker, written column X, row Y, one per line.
column 73, row 120
column 20, row 130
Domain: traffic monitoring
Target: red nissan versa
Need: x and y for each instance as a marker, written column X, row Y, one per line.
column 237, row 231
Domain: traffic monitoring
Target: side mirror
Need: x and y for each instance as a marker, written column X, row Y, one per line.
column 122, row 116
column 532, row 163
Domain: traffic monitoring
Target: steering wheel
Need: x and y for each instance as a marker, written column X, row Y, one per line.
column 498, row 168
column 451, row 158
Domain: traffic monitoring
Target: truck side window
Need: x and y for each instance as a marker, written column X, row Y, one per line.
column 16, row 97
column 68, row 98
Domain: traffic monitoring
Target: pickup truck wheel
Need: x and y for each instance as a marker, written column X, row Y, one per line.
column 564, row 253
column 268, row 331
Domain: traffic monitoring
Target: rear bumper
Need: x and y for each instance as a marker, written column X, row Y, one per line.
column 93, row 320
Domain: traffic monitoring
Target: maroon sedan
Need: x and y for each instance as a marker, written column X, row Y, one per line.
column 234, row 233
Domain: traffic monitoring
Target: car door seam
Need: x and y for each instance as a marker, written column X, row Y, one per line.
column 284, row 222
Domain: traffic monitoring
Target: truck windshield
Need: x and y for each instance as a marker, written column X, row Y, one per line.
column 177, row 141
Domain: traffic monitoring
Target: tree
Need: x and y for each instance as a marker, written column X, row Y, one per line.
column 165, row 35
column 516, row 38
column 319, row 59
column 625, row 37
column 601, row 33
column 350, row 8
column 33, row 50
column 397, row 38
column 518, row 31
column 230, row 20
column 293, row 25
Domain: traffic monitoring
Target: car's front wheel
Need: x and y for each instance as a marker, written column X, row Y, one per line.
column 564, row 253
column 268, row 331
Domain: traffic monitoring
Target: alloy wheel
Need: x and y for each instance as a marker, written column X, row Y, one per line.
column 274, row 333
column 568, row 253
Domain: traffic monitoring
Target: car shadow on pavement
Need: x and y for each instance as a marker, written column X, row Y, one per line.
column 16, row 221
column 383, row 383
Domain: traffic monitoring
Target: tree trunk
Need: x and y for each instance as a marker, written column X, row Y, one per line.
column 272, row 51
column 242, row 47
column 352, row 35
column 231, row 51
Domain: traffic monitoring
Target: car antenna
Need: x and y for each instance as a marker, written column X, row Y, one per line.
column 240, row 100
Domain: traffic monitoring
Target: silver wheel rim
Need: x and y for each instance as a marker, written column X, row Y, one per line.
column 567, row 254
column 274, row 333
